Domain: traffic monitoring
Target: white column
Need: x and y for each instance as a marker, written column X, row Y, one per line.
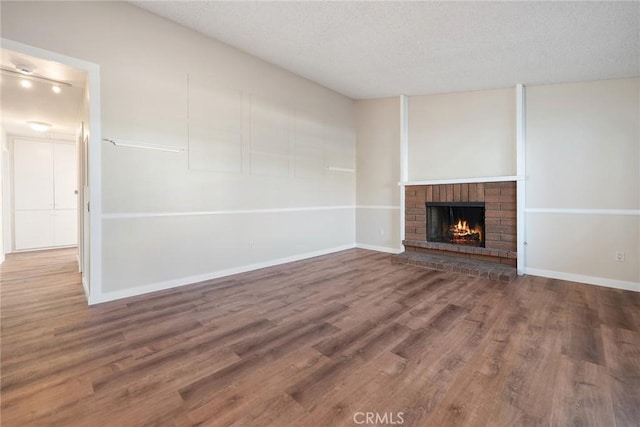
column 404, row 155
column 521, row 173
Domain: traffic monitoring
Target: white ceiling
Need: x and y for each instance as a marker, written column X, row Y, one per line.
column 378, row 49
column 40, row 103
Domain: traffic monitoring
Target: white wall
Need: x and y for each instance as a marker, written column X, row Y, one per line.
column 5, row 166
column 255, row 138
column 378, row 174
column 462, row 135
column 583, row 152
column 3, row 155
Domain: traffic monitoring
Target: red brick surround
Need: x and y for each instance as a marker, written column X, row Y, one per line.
column 500, row 219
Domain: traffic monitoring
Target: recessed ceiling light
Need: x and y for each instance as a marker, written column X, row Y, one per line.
column 56, row 89
column 39, row 126
column 25, row 83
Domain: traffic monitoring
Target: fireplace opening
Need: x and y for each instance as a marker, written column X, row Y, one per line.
column 456, row 223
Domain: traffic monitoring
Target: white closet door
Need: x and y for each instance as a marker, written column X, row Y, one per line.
column 65, row 176
column 45, row 180
column 65, row 227
column 34, row 229
column 33, row 170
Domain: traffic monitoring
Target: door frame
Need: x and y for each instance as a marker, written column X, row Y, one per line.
column 92, row 282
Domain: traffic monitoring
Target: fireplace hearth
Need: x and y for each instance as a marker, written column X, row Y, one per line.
column 456, row 223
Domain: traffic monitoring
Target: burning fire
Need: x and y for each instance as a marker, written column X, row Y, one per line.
column 462, row 230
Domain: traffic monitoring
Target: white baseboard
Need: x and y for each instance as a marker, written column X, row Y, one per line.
column 379, row 248
column 591, row 280
column 174, row 283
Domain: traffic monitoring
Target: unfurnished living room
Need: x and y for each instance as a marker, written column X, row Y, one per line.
column 320, row 213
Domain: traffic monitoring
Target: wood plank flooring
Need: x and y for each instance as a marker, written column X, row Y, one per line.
column 320, row 342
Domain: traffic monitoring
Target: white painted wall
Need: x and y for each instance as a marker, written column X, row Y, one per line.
column 255, row 137
column 5, row 169
column 378, row 174
column 3, row 155
column 583, row 152
column 462, row 135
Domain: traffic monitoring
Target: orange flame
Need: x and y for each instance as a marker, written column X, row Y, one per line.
column 462, row 229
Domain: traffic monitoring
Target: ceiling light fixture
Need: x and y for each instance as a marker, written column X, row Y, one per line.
column 24, row 69
column 56, row 89
column 39, row 126
column 27, row 79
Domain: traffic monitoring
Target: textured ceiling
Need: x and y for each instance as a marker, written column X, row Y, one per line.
column 377, row 49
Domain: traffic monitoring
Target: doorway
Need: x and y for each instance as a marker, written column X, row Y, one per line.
column 47, row 173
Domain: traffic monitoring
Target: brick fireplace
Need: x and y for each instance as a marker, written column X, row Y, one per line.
column 498, row 243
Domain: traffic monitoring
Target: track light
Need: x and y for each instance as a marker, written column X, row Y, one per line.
column 24, row 69
column 27, row 78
